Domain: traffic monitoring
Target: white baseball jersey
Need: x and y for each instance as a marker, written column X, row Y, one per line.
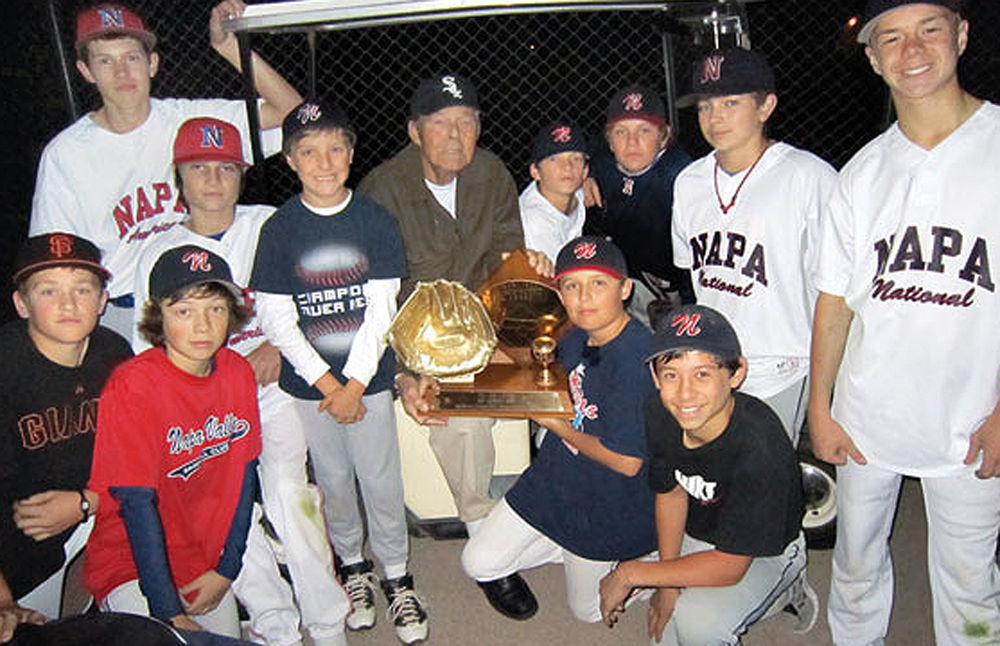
column 237, row 246
column 113, row 189
column 906, row 241
column 546, row 228
column 752, row 263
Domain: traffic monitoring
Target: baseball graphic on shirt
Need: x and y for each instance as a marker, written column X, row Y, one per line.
column 334, row 335
column 332, row 265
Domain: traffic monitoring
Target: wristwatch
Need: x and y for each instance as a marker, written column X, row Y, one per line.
column 84, row 506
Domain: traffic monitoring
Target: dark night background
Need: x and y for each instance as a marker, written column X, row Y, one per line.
column 529, row 69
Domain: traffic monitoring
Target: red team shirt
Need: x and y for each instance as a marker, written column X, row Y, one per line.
column 189, row 438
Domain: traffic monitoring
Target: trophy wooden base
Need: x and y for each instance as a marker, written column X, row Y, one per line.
column 505, row 391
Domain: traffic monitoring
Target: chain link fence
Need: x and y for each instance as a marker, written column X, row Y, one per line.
column 529, row 68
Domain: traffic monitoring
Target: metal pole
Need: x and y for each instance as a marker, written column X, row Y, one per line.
column 668, row 73
column 311, row 38
column 63, row 67
column 253, row 117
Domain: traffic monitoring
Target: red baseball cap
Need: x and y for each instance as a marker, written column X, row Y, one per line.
column 106, row 19
column 208, row 139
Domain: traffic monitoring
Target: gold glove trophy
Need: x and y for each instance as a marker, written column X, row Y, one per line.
column 494, row 355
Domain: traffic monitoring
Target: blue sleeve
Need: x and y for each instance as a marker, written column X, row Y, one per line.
column 149, row 549
column 236, row 542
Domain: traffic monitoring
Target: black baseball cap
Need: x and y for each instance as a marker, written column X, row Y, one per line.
column 442, row 91
column 558, row 137
column 636, row 102
column 315, row 115
column 696, row 327
column 590, row 252
column 876, row 8
column 58, row 250
column 723, row 72
column 187, row 266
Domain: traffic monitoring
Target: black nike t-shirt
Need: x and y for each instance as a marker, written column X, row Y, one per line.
column 744, row 487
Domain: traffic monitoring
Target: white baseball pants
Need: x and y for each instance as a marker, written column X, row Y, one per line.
column 963, row 516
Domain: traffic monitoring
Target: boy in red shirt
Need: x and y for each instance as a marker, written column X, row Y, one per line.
column 178, row 434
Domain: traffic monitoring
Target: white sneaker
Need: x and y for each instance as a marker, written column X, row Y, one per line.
column 405, row 609
column 803, row 604
column 361, row 585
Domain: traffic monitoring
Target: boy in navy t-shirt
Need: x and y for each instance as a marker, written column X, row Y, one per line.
column 728, row 495
column 584, row 501
column 327, row 273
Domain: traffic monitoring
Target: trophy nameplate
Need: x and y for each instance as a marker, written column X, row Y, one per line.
column 518, row 382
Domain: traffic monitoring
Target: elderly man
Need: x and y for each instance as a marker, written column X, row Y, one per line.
column 905, row 334
column 457, row 210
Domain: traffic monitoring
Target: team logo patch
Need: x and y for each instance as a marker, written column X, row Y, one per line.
column 632, row 102
column 223, row 432
column 585, row 250
column 308, row 112
column 111, row 17
column 449, row 85
column 686, row 324
column 711, row 69
column 197, row 260
column 561, row 134
column 211, row 137
column 60, row 245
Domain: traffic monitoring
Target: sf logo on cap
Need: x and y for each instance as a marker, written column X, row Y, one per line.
column 211, row 137
column 308, row 112
column 686, row 324
column 711, row 69
column 111, row 17
column 585, row 250
column 198, row 260
column 60, row 245
column 561, row 134
column 632, row 101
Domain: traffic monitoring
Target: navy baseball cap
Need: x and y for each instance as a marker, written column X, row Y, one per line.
column 636, row 102
column 315, row 115
column 875, row 9
column 724, row 72
column 591, row 252
column 443, row 91
column 696, row 327
column 187, row 266
column 58, row 250
column 558, row 137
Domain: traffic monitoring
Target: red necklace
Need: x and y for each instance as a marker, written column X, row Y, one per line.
column 725, row 207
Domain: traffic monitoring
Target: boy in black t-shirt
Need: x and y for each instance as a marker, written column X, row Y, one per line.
column 728, row 495
column 58, row 361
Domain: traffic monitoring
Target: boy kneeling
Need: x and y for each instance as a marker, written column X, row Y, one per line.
column 178, row 434
column 584, row 501
column 728, row 495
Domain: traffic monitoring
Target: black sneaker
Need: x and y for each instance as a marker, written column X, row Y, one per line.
column 405, row 609
column 360, row 583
